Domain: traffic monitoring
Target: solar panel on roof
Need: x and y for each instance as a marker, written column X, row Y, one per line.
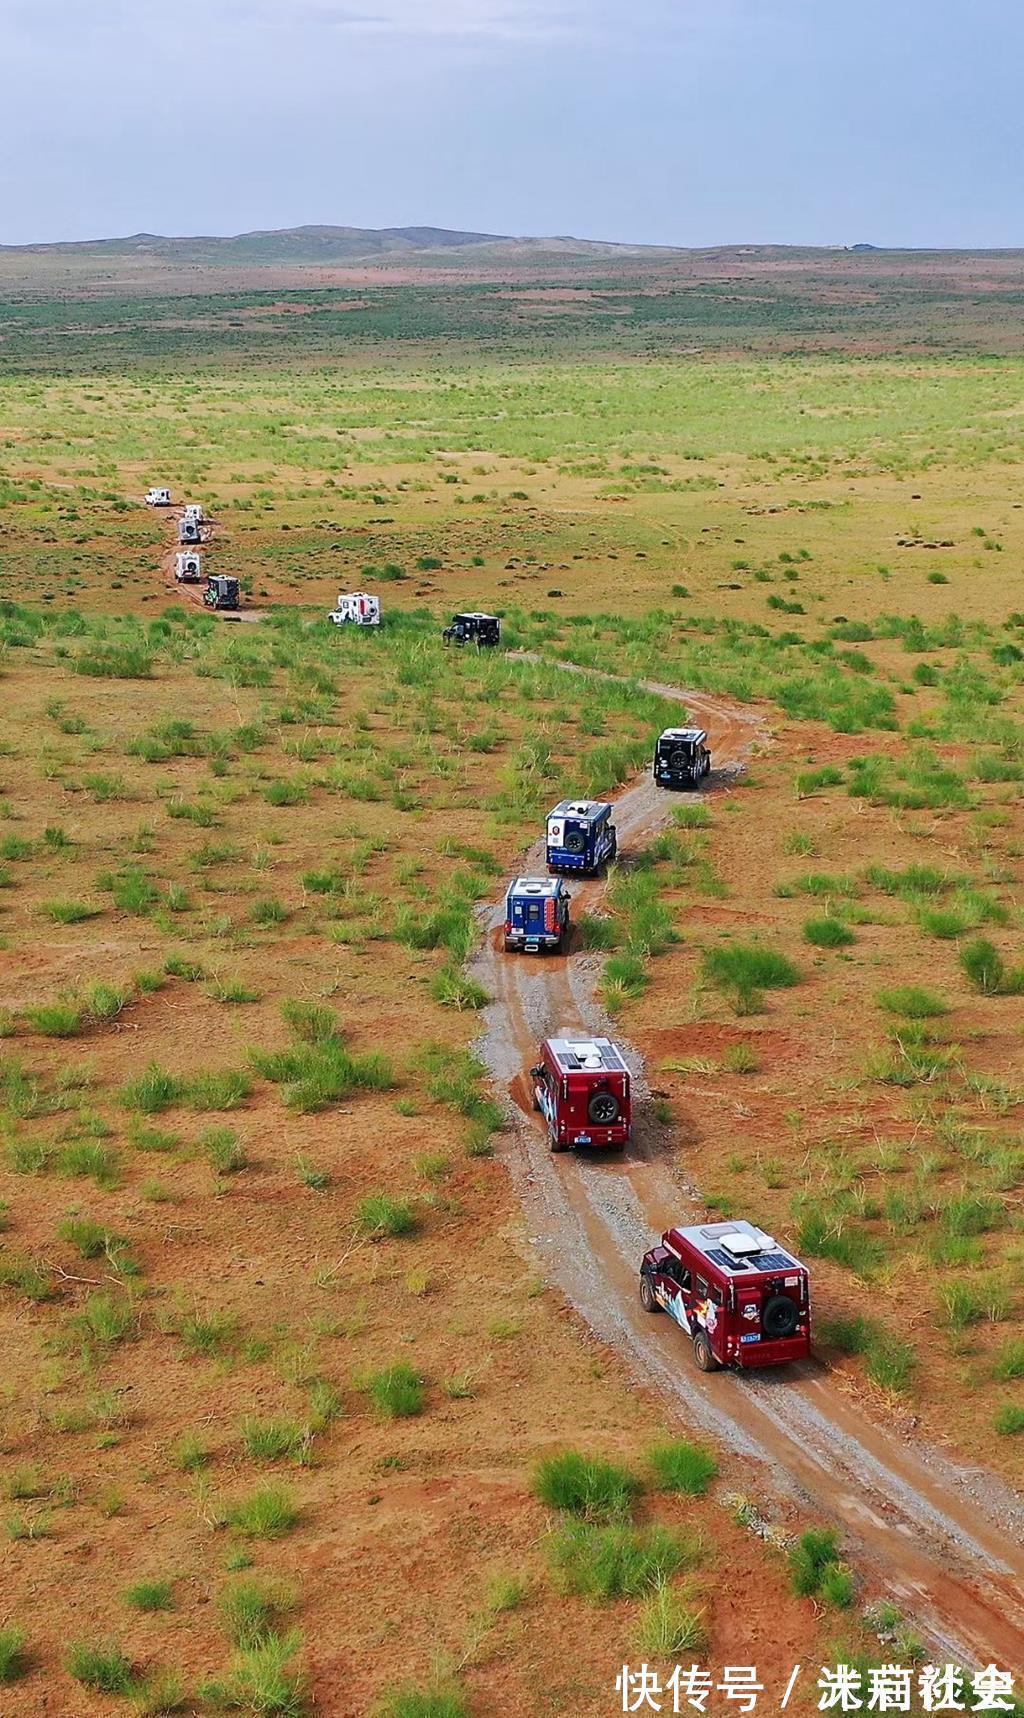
column 775, row 1262
column 725, row 1261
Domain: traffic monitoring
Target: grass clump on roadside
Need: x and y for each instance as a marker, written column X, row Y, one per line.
column 826, row 932
column 152, row 1595
column 253, row 1609
column 411, row 1702
column 912, row 1002
column 816, row 1570
column 985, row 969
column 682, row 1466
column 263, row 1678
column 104, row 1668
column 588, row 1486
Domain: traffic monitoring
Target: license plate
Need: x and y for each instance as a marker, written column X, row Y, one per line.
column 754, row 1336
column 583, row 1139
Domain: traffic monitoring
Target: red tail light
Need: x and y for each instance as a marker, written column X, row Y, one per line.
column 549, row 914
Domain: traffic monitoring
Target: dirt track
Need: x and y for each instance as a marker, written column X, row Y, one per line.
column 941, row 1541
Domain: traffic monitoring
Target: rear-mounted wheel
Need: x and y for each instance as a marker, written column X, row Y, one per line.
column 703, row 1355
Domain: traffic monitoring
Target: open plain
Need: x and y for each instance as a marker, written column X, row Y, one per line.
column 298, row 1313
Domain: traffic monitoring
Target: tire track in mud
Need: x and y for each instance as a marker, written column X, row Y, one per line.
column 943, row 1541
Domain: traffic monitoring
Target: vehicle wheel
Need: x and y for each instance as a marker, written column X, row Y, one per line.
column 556, row 1145
column 647, row 1297
column 509, row 946
column 702, row 1354
column 614, row 854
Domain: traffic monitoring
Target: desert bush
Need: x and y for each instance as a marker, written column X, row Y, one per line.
column 812, row 1560
column 13, row 1662
column 585, row 1485
column 253, row 1609
column 411, row 1702
column 380, row 1214
column 267, row 1513
column 152, row 1091
column 667, row 1627
column 833, row 1238
column 1009, row 1362
column 683, row 1466
column 615, row 1560
column 396, row 1391
column 828, row 933
column 274, row 1440
column 226, row 1152
column 987, row 971
column 152, row 1595
column 66, row 912
column 104, row 1668
column 264, row 1679
column 1009, row 1423
column 912, row 1001
column 316, row 1074
column 218, row 1089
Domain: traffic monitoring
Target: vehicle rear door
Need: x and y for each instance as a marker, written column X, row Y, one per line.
column 748, row 1312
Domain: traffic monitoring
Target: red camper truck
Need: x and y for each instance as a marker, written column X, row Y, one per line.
column 581, row 1086
column 742, row 1298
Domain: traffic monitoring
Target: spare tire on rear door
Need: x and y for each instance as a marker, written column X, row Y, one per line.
column 575, row 841
column 780, row 1317
column 679, row 759
column 603, row 1109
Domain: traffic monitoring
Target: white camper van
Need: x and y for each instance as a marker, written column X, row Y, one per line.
column 356, row 608
column 158, row 498
column 188, row 567
column 194, row 511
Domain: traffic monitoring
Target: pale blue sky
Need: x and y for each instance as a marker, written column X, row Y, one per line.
column 687, row 122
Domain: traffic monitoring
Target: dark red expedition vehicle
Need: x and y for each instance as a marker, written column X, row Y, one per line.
column 581, row 1087
column 734, row 1290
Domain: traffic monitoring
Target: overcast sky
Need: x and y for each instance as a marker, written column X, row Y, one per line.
column 686, row 122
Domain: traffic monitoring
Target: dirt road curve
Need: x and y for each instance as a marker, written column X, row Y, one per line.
column 943, row 1542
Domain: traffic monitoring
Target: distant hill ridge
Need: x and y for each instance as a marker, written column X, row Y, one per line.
column 319, row 244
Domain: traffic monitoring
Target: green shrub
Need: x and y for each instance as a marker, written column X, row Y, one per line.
column 747, row 969
column 891, row 1364
column 585, row 1485
column 104, row 1668
column 13, row 1662
column 274, row 1440
column 828, row 933
column 410, row 1702
column 682, row 1466
column 152, row 1091
column 616, row 1560
column 1009, row 1421
column 320, row 1073
column 986, row 970
column 668, row 1628
column 218, row 1089
column 263, row 1679
column 396, row 1392
column 815, row 1551
column 268, row 1513
column 912, row 1001
column 846, row 1243
column 1009, row 1362
column 224, row 1149
column 64, row 912
column 380, row 1214
column 252, row 1610
column 150, row 1595
column 57, row 1019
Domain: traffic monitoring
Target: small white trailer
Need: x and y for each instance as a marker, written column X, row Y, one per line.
column 188, row 567
column 356, row 608
column 158, row 498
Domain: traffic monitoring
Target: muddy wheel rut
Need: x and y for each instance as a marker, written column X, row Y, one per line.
column 943, row 1541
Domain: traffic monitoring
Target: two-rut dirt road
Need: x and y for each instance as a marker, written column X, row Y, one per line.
column 943, row 1542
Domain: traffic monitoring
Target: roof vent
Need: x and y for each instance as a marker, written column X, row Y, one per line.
column 741, row 1246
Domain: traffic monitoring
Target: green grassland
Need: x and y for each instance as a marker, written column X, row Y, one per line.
column 240, row 870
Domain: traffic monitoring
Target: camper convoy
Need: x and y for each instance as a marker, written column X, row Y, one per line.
column 536, row 915
column 158, row 497
column 581, row 1087
column 741, row 1298
column 580, row 836
column 356, row 608
column 188, row 567
column 681, row 757
column 483, row 630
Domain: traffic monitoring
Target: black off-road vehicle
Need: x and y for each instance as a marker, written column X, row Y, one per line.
column 681, row 757
column 221, row 592
column 479, row 629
